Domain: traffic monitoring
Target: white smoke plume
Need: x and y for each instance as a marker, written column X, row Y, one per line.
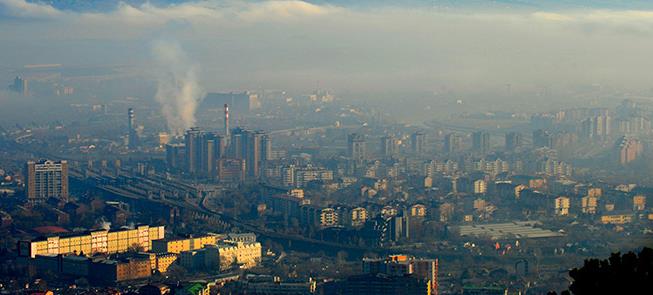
column 178, row 91
column 103, row 223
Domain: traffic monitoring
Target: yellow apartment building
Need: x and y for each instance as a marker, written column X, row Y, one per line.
column 184, row 244
column 97, row 241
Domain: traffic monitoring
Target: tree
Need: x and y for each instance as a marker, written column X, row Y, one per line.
column 176, row 272
column 629, row 273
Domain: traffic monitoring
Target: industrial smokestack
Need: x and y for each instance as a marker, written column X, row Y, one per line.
column 130, row 117
column 226, row 121
column 132, row 138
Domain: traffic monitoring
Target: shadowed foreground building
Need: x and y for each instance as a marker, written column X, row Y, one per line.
column 380, row 283
column 395, row 274
column 425, row 270
column 98, row 270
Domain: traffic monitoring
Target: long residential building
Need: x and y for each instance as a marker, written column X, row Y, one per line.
column 179, row 245
column 246, row 255
column 94, row 242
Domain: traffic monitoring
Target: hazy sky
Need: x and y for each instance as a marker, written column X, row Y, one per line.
column 349, row 47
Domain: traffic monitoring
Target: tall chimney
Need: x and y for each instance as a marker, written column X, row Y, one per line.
column 226, row 121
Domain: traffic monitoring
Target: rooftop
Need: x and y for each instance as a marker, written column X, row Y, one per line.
column 518, row 229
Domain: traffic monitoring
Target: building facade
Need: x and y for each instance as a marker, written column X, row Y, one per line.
column 94, row 242
column 245, row 255
column 46, row 179
column 185, row 244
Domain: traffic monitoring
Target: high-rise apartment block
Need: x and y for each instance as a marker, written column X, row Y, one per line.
column 481, row 141
column 176, row 155
column 388, row 146
column 453, row 143
column 356, row 147
column 193, row 140
column 589, row 204
column 628, row 149
column 202, row 151
column 542, row 138
column 254, row 147
column 417, row 142
column 596, row 127
column 562, row 205
column 45, row 179
column 513, row 141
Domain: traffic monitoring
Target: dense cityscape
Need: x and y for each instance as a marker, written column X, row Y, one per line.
column 124, row 179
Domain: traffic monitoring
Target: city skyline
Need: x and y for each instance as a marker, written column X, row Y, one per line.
column 326, row 147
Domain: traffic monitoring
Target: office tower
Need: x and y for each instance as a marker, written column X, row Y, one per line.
column 453, row 143
column 481, row 141
column 388, row 146
column 542, row 138
column 628, row 149
column 356, row 147
column 417, row 142
column 513, row 141
column 132, row 136
column 46, row 179
column 193, row 140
